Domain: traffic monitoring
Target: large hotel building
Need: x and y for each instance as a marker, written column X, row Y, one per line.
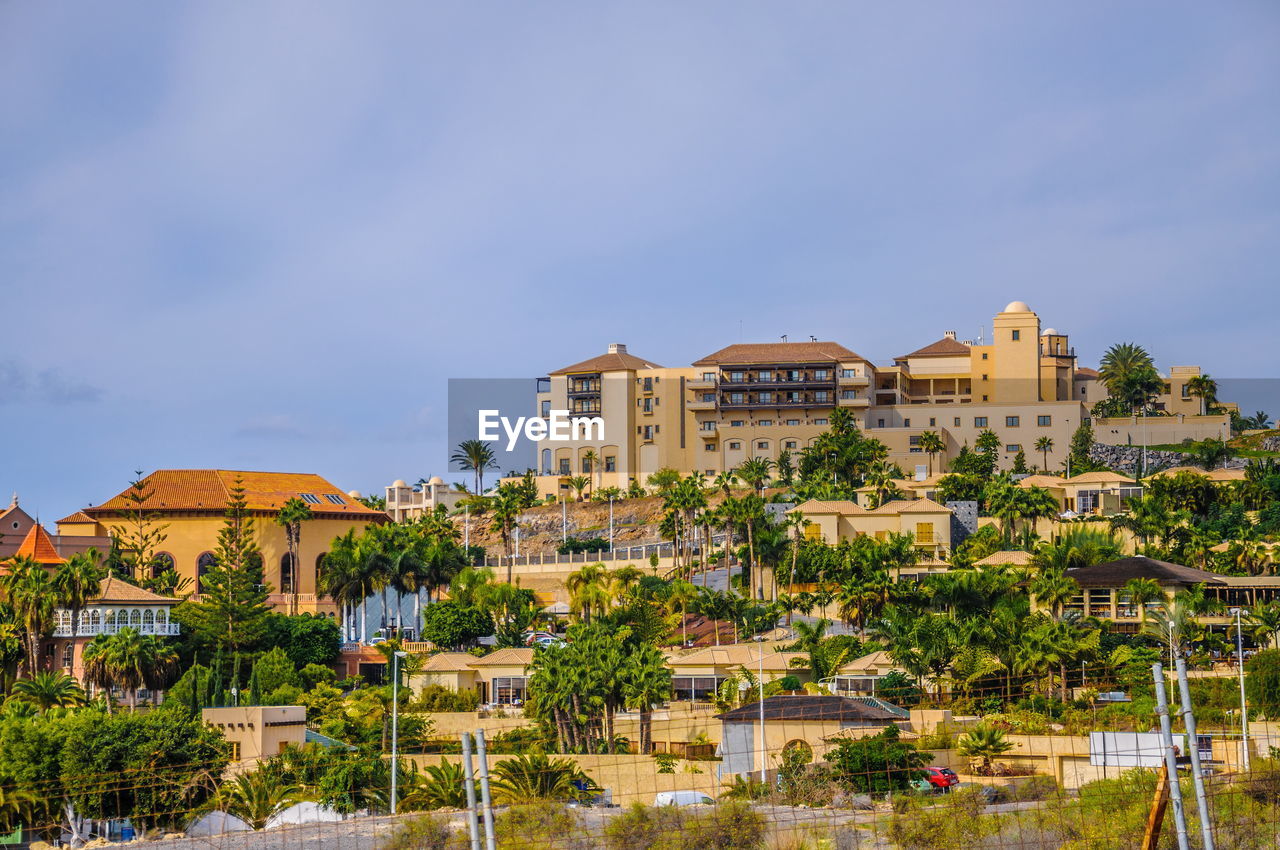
column 763, row 399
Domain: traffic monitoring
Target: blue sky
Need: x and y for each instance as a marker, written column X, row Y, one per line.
column 265, row 235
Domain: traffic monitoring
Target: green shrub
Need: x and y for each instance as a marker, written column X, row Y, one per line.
column 425, row 833
column 956, row 822
column 535, row 827
column 439, row 698
column 1262, row 682
column 654, row 827
column 731, row 825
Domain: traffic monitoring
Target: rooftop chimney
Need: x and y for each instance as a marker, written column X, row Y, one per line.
column 617, row 348
column 949, row 334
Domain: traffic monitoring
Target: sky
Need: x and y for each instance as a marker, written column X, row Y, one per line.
column 265, row 235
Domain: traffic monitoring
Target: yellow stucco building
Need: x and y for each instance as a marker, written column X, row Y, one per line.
column 189, row 505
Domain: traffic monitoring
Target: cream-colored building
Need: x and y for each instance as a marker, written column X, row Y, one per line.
column 406, row 501
column 761, row 400
column 928, row 522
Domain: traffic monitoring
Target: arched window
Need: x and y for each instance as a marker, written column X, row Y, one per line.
column 148, row 621
column 288, row 575
column 135, row 617
column 204, row 563
column 162, row 617
column 162, row 563
column 320, row 570
column 68, row 654
column 95, row 622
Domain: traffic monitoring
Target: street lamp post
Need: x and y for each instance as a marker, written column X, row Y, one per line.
column 1244, row 711
column 395, row 716
column 611, row 522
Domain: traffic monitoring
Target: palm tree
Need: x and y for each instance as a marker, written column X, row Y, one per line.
column 881, row 476
column 256, row 797
column 529, row 778
column 353, row 571
column 1140, row 592
column 588, row 591
column 507, row 505
column 680, row 594
column 646, row 682
column 755, row 472
column 931, row 444
column 49, row 689
column 725, row 481
column 129, row 661
column 439, row 786
column 592, row 465
column 1044, row 445
column 1204, row 388
column 30, row 594
column 1129, row 374
column 580, row 483
column 984, row 742
column 77, row 581
column 1054, row 589
column 475, row 456
column 292, row 514
column 1263, row 623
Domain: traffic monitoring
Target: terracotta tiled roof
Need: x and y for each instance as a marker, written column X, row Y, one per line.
column 204, row 490
column 1041, row 481
column 1219, row 475
column 448, row 662
column 39, row 546
column 766, row 353
column 611, row 362
column 913, row 506
column 513, row 656
column 78, row 516
column 117, row 590
column 816, row 506
column 1082, row 372
column 1100, row 478
column 945, row 347
column 1015, row 557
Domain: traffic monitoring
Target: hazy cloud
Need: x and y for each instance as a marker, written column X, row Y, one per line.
column 19, row 384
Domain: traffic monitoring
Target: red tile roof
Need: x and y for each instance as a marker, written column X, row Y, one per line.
column 115, row 589
column 207, row 490
column 39, row 546
column 945, row 347
column 78, row 516
column 765, row 353
column 619, row 361
column 1082, row 372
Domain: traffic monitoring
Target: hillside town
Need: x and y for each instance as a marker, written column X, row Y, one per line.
column 811, row 603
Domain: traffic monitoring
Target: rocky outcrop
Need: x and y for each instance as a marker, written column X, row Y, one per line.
column 1128, row 459
column 1270, row 444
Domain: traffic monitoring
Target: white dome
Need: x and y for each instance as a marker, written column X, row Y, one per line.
column 355, row 494
column 399, row 482
column 1017, row 307
column 436, row 479
column 1049, row 332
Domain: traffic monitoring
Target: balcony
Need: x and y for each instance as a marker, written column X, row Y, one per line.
column 94, row 629
column 854, row 381
column 701, row 405
column 700, row 384
column 708, row 435
column 854, row 402
column 775, row 404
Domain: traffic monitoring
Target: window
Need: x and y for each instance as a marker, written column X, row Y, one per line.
column 586, row 466
column 235, row 750
column 984, row 398
column 648, row 432
column 822, row 396
column 766, row 398
column 706, row 426
column 711, row 447
column 310, row 498
column 708, row 376
column 984, row 377
column 791, row 375
column 932, row 422
column 984, row 355
column 763, row 445
column 813, row 531
column 766, row 375
column 1017, row 335
column 846, row 373
column 979, row 421
column 611, row 463
column 287, row 573
column 822, row 374
column 648, row 385
column 1044, row 421
column 956, row 423
column 564, row 466
column 546, row 409
column 736, row 423
column 68, row 654
column 819, row 422
column 648, row 405
column 163, row 562
column 1013, row 448
column 913, row 440
column 848, row 395
column 708, row 396
column 793, row 421
column 1186, row 391
column 906, row 423
column 735, row 445
column 334, row 499
column 737, row 377
column 737, row 398
column 765, row 423
column 1012, row 421
column 789, row 444
column 879, row 423
column 924, row 532
column 204, row 563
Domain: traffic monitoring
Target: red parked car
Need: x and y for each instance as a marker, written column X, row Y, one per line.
column 942, row 777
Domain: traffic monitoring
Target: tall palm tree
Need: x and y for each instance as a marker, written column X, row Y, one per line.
column 881, row 476
column 77, row 581
column 680, row 594
column 353, row 571
column 931, row 444
column 30, row 594
column 1054, row 589
column 475, row 456
column 1129, row 374
column 1044, row 445
column 725, row 481
column 49, row 689
column 1204, row 388
column 507, row 505
column 755, row 472
column 646, row 682
column 588, row 590
column 1140, row 592
column 1263, row 623
column 594, row 468
column 292, row 514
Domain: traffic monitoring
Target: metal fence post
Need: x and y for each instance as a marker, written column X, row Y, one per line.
column 490, row 841
column 1170, row 758
column 473, row 821
column 1189, row 721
